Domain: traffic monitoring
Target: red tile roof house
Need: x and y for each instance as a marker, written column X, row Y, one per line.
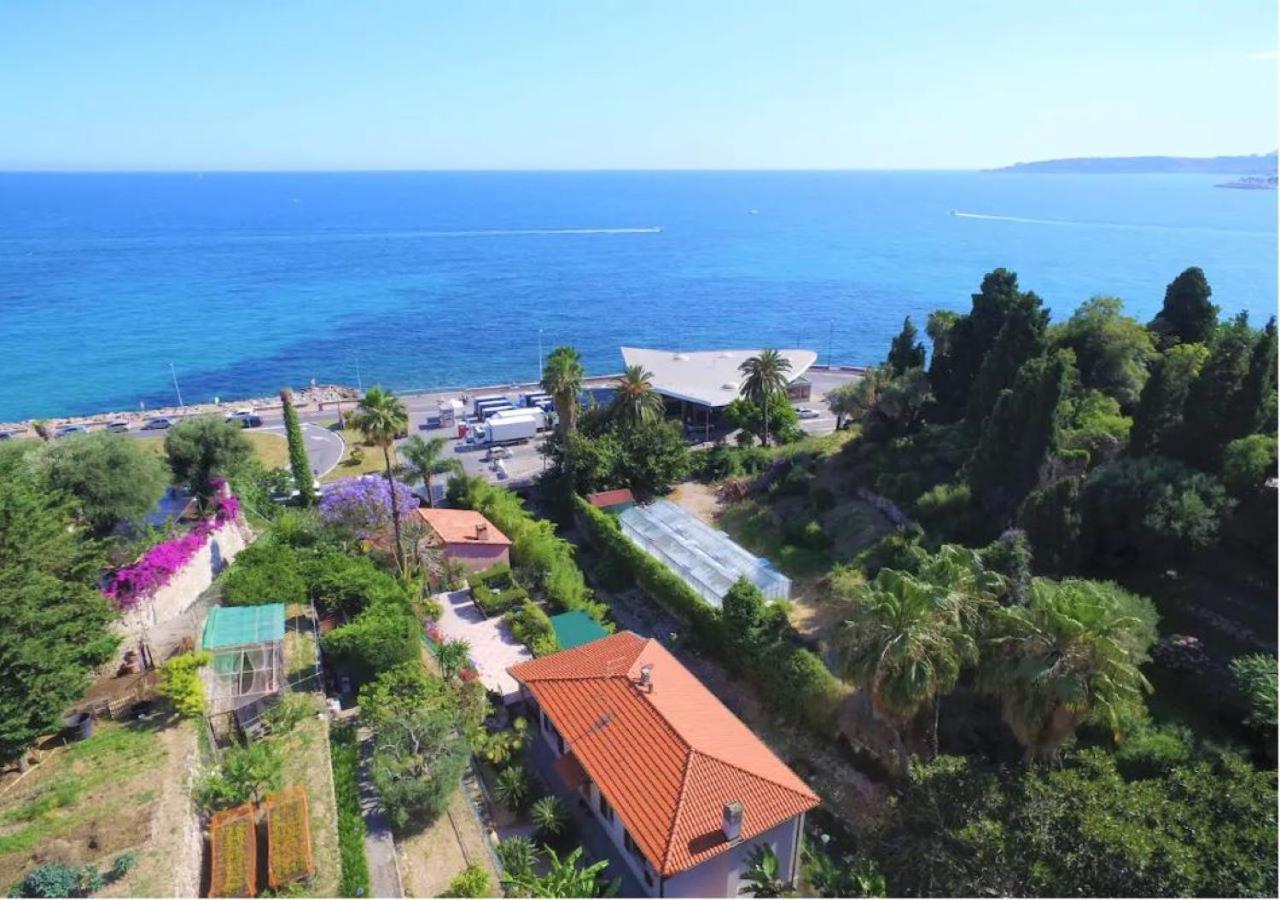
column 466, row 537
column 682, row 788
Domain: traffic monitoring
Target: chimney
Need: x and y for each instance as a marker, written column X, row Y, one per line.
column 733, row 822
column 646, row 676
column 482, row 531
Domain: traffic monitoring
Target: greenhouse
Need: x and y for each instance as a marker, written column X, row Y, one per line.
column 247, row 644
column 704, row 558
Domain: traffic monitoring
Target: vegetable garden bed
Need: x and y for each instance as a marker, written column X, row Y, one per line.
column 233, row 850
column 288, row 836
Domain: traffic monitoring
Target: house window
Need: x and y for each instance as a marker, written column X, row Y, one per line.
column 632, row 847
column 606, row 811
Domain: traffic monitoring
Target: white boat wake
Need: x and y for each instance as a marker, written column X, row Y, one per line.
column 1120, row 226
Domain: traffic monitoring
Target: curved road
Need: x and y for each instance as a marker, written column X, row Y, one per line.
column 324, row 448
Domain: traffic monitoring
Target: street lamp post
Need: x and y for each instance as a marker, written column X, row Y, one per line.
column 177, row 390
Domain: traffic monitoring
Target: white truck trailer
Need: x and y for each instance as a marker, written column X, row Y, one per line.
column 503, row 430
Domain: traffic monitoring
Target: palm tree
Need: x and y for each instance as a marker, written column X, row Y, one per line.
column 452, row 657
column 511, row 787
column 562, row 379
column 764, row 874
column 906, row 646
column 766, row 378
column 563, row 878
column 426, row 459
column 380, row 417
column 1071, row 655
column 635, row 401
column 549, row 815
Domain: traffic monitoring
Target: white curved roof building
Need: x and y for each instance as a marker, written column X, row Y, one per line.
column 706, row 377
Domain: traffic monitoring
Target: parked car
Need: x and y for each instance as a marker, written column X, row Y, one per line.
column 249, row 421
column 5, row 435
column 159, row 423
column 119, row 426
column 68, row 430
column 806, row 412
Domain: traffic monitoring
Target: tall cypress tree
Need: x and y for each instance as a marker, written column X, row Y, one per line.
column 1187, row 316
column 1019, row 434
column 1211, row 414
column 1021, row 338
column 298, row 462
column 1157, row 422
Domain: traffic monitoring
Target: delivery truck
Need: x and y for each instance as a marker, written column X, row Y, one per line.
column 486, row 408
column 503, row 430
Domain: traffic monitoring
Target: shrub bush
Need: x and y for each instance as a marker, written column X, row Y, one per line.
column 380, row 638
column 532, row 627
column 473, row 881
column 351, row 829
column 180, row 682
column 265, row 572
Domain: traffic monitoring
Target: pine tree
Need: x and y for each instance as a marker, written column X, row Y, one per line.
column 298, row 462
column 1020, row 338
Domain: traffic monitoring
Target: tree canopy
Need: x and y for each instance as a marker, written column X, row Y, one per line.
column 203, row 447
column 110, row 477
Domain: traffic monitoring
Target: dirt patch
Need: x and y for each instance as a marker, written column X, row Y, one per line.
column 430, row 859
column 306, row 762
column 126, row 788
column 700, row 499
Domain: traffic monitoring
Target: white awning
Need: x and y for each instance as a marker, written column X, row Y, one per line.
column 708, row 377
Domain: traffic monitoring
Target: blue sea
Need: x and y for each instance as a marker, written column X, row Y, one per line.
column 248, row 282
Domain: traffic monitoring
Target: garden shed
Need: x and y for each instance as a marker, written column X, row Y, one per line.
column 703, row 557
column 247, row 645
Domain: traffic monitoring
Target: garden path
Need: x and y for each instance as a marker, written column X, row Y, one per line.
column 379, row 845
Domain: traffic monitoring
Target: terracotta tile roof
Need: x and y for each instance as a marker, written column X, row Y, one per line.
column 605, row 499
column 458, row 526
column 668, row 759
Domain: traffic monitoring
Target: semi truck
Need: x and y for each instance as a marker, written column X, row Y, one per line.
column 503, row 430
column 486, row 407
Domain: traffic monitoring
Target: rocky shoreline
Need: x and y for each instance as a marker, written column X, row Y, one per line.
column 315, row 397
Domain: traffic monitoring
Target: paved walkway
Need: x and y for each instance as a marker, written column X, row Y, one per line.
column 493, row 646
column 379, row 845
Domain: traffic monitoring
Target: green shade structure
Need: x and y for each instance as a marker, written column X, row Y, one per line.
column 575, row 628
column 238, row 626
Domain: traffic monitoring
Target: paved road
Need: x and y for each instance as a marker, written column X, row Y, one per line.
column 324, row 447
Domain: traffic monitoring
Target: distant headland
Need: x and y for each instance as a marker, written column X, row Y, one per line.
column 1258, row 164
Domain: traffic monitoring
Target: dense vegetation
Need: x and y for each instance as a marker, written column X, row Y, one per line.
column 1114, row 450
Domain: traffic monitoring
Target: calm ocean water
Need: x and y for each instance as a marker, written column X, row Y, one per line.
column 247, row 282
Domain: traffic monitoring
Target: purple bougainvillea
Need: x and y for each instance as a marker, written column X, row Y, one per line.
column 363, row 505
column 129, row 585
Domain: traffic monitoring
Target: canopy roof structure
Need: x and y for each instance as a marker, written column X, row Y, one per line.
column 703, row 557
column 707, row 377
column 236, row 626
column 575, row 628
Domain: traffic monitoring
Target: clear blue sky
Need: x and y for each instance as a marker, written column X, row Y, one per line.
column 422, row 84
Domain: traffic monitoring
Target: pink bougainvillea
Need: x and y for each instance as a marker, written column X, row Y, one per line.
column 129, row 585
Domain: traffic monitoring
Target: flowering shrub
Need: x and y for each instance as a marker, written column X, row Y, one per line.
column 156, row 567
column 363, row 505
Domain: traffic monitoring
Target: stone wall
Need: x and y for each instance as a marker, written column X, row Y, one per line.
column 162, row 614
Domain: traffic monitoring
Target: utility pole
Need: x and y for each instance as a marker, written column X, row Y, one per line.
column 539, row 379
column 177, row 390
column 359, row 382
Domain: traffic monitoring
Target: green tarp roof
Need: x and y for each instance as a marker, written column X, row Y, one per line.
column 236, row 626
column 575, row 628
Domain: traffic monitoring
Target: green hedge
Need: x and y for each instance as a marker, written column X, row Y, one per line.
column 495, row 590
column 532, row 627
column 345, row 747
column 792, row 680
column 659, row 582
